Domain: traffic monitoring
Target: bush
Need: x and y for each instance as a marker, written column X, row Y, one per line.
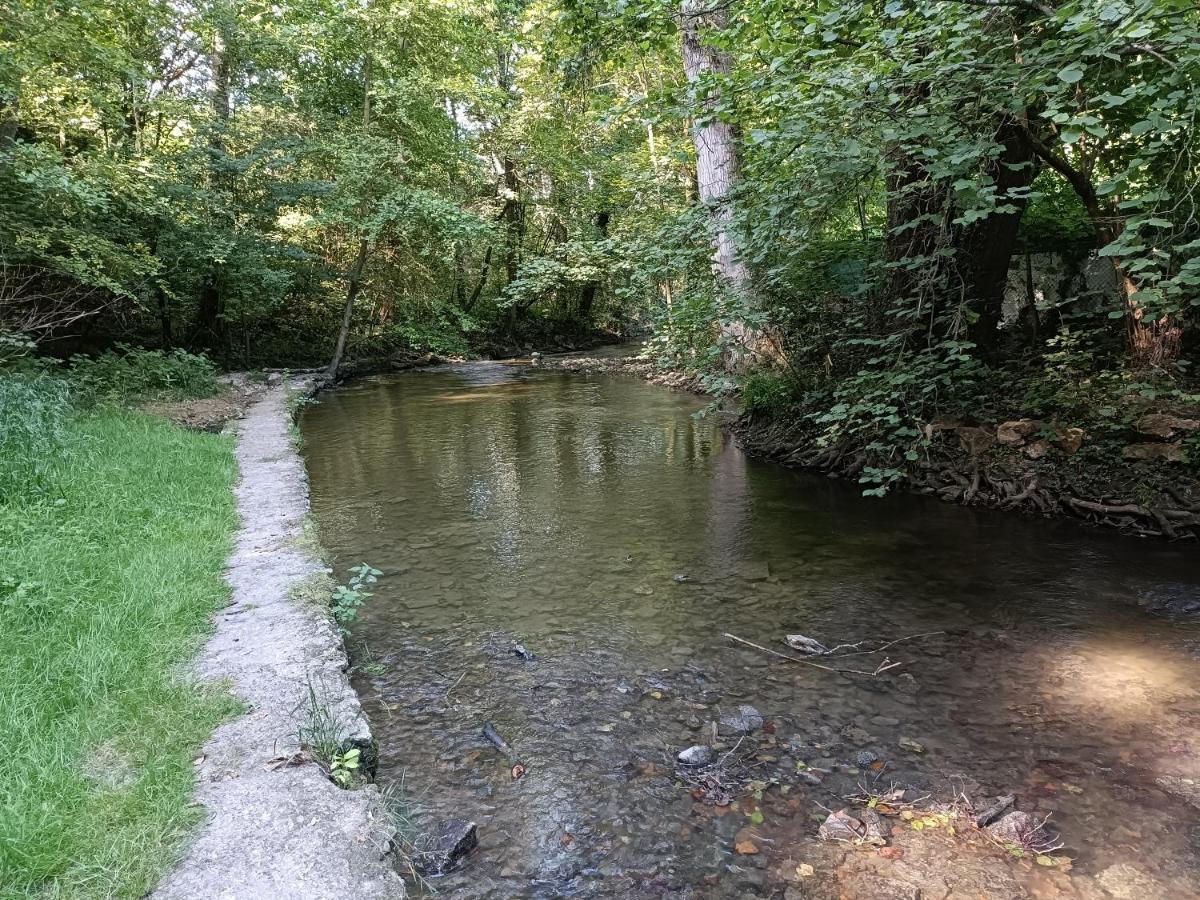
column 132, row 374
column 34, row 410
column 763, row 392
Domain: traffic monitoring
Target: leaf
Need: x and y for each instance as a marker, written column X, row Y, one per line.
column 1070, row 75
column 745, row 848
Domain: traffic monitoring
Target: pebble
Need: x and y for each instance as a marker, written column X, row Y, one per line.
column 696, row 755
column 864, row 758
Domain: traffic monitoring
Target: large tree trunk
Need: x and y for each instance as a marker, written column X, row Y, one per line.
column 716, row 155
column 987, row 246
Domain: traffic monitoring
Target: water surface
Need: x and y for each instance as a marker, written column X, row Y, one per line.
column 601, row 524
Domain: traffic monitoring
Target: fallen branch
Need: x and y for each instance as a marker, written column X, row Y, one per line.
column 883, row 666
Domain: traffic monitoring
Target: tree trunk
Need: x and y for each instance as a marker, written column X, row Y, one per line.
column 354, row 283
column 588, row 297
column 716, row 157
column 987, row 246
column 209, row 325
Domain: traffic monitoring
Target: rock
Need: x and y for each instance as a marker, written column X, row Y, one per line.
column 696, row 755
column 845, row 825
column 453, row 840
column 1037, row 449
column 806, row 645
column 992, row 811
column 1017, row 432
column 975, row 440
column 682, row 578
column 841, row 826
column 1069, row 440
column 941, row 423
column 1020, row 828
column 907, row 743
column 1184, row 788
column 1127, row 882
column 1163, row 452
column 754, row 570
column 856, row 735
column 864, row 758
column 1162, row 425
column 744, row 721
column 519, row 650
column 884, row 720
column 906, row 683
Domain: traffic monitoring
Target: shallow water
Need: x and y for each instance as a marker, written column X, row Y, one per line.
column 508, row 504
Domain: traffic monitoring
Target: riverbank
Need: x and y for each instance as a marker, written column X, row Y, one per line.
column 277, row 825
column 1138, row 481
column 109, row 577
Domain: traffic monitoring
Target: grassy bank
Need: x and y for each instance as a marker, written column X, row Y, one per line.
column 109, row 575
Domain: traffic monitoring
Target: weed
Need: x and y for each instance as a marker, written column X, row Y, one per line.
column 132, row 374
column 343, row 767
column 347, row 598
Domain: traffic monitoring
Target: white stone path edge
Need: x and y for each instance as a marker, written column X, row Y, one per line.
column 285, row 832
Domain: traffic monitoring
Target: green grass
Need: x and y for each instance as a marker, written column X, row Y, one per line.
column 108, row 580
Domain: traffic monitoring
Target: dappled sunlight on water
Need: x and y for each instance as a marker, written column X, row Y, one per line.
column 603, row 525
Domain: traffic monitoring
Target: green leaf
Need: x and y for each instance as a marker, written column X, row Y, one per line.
column 1070, row 75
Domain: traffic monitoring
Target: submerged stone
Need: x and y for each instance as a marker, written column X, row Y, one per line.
column 453, row 840
column 745, row 720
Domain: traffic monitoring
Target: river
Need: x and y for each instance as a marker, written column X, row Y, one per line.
column 606, row 526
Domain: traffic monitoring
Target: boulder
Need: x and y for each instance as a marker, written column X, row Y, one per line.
column 438, row 852
column 696, row 755
column 1124, row 881
column 1147, row 452
column 1165, row 426
column 743, row 721
column 1016, row 432
column 975, row 440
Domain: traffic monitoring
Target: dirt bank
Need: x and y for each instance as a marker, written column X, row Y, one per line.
column 277, row 829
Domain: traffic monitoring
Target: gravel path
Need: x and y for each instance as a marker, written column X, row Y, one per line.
column 285, row 831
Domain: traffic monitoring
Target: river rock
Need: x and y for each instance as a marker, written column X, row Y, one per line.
column 745, row 720
column 1163, row 452
column 1020, row 828
column 696, row 755
column 453, row 840
column 1127, row 882
column 864, row 758
column 906, row 683
column 853, row 825
column 1016, row 432
column 806, row 645
column 1162, row 425
column 907, row 743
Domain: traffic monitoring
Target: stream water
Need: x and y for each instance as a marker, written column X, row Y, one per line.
column 601, row 524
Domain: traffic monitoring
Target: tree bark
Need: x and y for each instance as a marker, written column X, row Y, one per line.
column 354, row 284
column 717, row 161
column 209, row 326
column 588, row 296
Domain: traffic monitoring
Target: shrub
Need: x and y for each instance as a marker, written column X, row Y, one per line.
column 34, row 410
column 128, row 373
column 766, row 393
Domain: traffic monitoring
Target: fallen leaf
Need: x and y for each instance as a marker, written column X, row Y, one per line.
column 745, row 848
column 517, row 771
column 891, row 852
column 804, row 870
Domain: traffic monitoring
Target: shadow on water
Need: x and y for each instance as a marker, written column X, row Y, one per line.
column 508, row 504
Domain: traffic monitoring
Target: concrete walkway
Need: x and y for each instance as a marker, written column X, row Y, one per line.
column 277, row 831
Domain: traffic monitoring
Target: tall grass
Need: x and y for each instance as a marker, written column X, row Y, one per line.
column 34, row 412
column 107, row 586
column 130, row 373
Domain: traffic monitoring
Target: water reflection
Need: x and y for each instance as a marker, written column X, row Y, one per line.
column 506, row 503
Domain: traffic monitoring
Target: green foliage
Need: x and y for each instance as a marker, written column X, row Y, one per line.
column 129, row 374
column 347, row 598
column 35, row 415
column 767, row 393
column 107, row 591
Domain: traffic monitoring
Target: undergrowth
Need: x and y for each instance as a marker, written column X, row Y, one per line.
column 107, row 588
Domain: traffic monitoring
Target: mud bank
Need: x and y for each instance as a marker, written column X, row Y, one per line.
column 277, row 829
